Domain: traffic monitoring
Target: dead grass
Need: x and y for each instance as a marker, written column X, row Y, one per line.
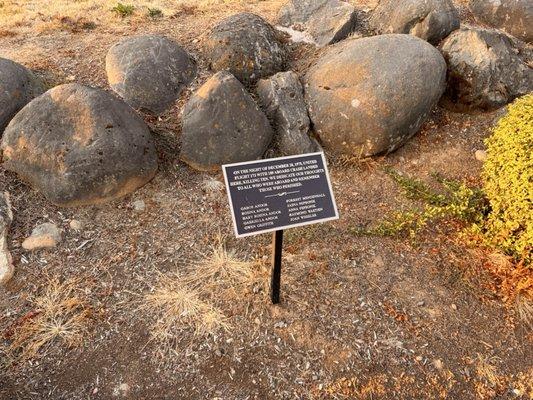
column 26, row 13
column 197, row 300
column 514, row 282
column 486, row 371
column 178, row 307
column 221, row 267
column 61, row 313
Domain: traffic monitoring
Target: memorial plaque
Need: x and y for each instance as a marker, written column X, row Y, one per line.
column 279, row 193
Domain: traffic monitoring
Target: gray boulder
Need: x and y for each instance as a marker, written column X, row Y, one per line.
column 247, row 46
column 282, row 99
column 485, row 70
column 368, row 96
column 149, row 72
column 326, row 21
column 223, row 124
column 6, row 261
column 513, row 16
column 18, row 86
column 79, row 145
column 431, row 20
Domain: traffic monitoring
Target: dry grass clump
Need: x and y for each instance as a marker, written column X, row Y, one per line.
column 221, row 267
column 197, row 300
column 513, row 282
column 178, row 307
column 61, row 313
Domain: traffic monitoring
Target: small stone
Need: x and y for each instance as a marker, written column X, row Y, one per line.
column 420, row 303
column 418, row 358
column 280, row 325
column 43, row 236
column 76, row 225
column 121, row 390
column 481, row 155
column 437, row 363
column 139, row 206
column 454, row 307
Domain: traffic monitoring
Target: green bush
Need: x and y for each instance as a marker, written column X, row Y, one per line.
column 123, row 10
column 508, row 182
column 454, row 200
column 155, row 13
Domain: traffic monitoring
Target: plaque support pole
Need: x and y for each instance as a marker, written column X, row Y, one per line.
column 275, row 283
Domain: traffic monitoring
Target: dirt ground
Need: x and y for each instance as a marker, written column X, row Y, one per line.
column 361, row 317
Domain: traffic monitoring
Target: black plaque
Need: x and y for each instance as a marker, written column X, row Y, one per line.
column 279, row 193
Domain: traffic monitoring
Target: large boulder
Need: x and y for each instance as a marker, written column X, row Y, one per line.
column 18, row 86
column 149, row 72
column 513, row 16
column 6, row 261
column 368, row 96
column 223, row 124
column 247, row 46
column 326, row 21
column 282, row 99
column 431, row 20
column 485, row 70
column 79, row 145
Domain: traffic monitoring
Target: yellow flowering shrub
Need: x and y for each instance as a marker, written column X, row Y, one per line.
column 508, row 182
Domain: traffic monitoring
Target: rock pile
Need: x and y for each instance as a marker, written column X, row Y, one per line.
column 78, row 145
column 362, row 97
column 149, row 72
column 368, row 96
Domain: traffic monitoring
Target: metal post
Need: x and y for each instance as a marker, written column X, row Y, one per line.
column 277, row 244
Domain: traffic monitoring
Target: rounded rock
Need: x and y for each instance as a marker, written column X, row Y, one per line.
column 247, row 46
column 18, row 86
column 431, row 20
column 282, row 99
column 222, row 124
column 369, row 96
column 485, row 70
column 326, row 21
column 79, row 145
column 149, row 72
column 513, row 16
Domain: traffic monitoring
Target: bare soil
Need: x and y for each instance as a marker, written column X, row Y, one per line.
column 361, row 317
